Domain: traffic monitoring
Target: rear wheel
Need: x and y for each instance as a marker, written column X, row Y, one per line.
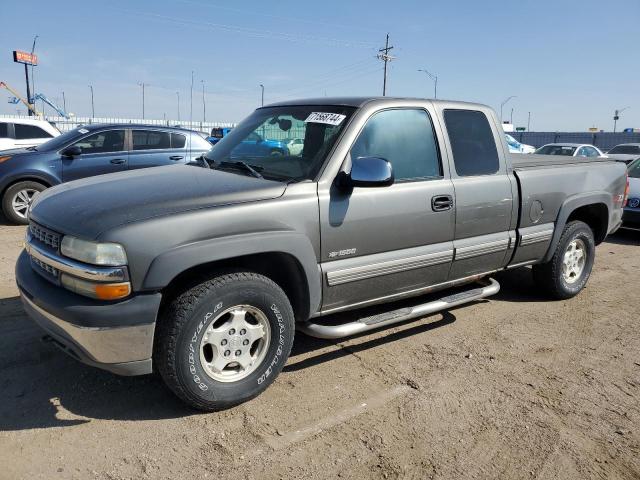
column 17, row 200
column 224, row 341
column 570, row 267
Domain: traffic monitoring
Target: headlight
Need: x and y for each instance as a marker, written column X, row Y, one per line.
column 109, row 254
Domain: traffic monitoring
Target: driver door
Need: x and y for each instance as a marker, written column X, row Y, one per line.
column 383, row 242
column 102, row 152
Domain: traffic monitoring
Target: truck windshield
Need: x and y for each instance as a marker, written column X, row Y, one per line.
column 261, row 141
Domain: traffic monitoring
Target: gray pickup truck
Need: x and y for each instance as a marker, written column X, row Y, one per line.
column 204, row 274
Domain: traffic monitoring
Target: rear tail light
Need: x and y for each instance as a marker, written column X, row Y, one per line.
column 625, row 198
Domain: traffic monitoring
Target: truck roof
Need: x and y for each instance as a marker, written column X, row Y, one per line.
column 361, row 101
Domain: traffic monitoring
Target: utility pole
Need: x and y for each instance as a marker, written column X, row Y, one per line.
column 435, row 81
column 191, row 103
column 262, row 101
column 529, row 122
column 383, row 54
column 64, row 103
column 142, row 84
column 503, row 104
column 204, row 104
column 511, row 118
column 616, row 117
column 93, row 112
column 178, row 95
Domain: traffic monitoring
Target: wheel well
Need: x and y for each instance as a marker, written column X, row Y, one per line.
column 282, row 268
column 26, row 179
column 596, row 216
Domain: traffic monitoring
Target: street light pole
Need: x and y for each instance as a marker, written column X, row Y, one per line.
column 616, row 117
column 204, row 104
column 191, row 103
column 93, row 112
column 178, row 95
column 142, row 84
column 529, row 122
column 435, row 81
column 511, row 118
column 504, row 103
column 262, row 101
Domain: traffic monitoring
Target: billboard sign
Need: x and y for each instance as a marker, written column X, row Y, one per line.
column 25, row 57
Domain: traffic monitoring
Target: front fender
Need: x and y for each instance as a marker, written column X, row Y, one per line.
column 165, row 267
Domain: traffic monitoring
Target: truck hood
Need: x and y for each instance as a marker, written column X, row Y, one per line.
column 86, row 208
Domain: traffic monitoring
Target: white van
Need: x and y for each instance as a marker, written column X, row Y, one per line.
column 25, row 132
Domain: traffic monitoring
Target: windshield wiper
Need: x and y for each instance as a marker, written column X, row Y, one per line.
column 32, row 149
column 244, row 166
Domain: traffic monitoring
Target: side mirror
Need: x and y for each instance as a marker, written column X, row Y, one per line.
column 368, row 172
column 72, row 151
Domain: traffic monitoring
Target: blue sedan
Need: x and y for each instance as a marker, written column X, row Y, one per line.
column 87, row 151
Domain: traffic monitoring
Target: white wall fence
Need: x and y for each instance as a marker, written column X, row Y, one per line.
column 66, row 124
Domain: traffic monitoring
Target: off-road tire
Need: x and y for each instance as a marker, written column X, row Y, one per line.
column 548, row 276
column 183, row 323
column 7, row 207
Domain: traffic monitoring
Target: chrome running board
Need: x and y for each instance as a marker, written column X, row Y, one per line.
column 400, row 315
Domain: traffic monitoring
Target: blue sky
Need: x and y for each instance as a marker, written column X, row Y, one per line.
column 569, row 63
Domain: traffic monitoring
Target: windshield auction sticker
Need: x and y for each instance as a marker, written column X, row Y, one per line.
column 323, row 117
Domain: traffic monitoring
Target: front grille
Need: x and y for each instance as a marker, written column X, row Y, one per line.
column 45, row 236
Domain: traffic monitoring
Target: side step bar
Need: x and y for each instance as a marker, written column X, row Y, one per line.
column 400, row 315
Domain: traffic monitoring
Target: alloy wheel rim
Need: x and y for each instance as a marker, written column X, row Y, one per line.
column 574, row 260
column 235, row 343
column 22, row 200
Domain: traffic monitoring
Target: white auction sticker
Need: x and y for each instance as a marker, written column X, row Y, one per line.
column 83, row 130
column 324, row 117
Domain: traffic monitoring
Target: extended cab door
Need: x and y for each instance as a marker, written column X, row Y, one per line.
column 153, row 148
column 485, row 212
column 383, row 242
column 102, row 152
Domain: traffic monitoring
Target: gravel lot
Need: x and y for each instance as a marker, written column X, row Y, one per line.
column 514, row 387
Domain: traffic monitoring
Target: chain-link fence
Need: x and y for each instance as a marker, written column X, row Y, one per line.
column 65, row 124
column 602, row 140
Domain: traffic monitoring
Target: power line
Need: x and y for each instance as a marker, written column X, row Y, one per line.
column 385, row 57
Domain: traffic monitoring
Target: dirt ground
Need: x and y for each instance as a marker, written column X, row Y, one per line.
column 514, row 387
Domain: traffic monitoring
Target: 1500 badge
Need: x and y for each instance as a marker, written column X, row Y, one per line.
column 342, row 253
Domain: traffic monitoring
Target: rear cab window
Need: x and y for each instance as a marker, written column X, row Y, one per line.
column 472, row 143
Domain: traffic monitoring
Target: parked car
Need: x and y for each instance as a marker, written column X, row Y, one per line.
column 87, row 151
column 24, row 133
column 625, row 152
column 217, row 134
column 631, row 216
column 294, row 145
column 570, row 150
column 517, row 147
column 256, row 146
column 204, row 274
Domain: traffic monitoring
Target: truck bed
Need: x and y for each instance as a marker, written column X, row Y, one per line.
column 521, row 160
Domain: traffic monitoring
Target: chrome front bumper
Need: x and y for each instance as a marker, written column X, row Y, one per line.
column 114, row 336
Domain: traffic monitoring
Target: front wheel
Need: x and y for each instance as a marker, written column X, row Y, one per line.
column 224, row 341
column 568, row 271
column 17, row 200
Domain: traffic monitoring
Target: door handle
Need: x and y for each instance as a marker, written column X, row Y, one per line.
column 175, row 157
column 117, row 161
column 441, row 203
